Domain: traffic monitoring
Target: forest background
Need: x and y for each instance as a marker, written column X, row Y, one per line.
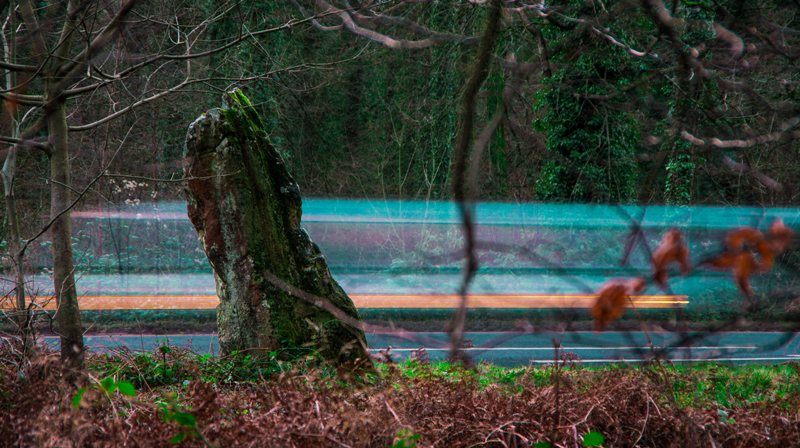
column 617, row 101
column 590, row 102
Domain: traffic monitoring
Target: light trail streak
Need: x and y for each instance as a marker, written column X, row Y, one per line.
column 374, row 301
column 686, row 360
column 148, row 215
column 567, row 348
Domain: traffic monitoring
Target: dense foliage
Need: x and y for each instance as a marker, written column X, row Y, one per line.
column 594, row 98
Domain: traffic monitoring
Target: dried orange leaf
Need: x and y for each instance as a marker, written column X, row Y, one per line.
column 737, row 238
column 671, row 250
column 780, row 236
column 724, row 261
column 612, row 298
column 743, row 269
column 742, row 246
column 767, row 254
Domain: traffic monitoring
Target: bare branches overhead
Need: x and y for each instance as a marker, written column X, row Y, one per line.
column 359, row 20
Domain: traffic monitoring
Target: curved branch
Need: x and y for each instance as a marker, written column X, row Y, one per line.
column 130, row 107
column 314, row 22
column 24, row 142
column 99, row 42
column 187, row 56
column 787, row 132
column 386, row 41
column 182, row 84
column 461, row 193
column 410, row 25
column 77, row 199
column 25, row 100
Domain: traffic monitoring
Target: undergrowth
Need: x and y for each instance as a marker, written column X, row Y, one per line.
column 173, row 395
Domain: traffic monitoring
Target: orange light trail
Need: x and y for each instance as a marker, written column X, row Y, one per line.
column 396, row 301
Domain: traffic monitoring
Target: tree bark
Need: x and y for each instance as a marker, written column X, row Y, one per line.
column 8, row 173
column 246, row 208
column 17, row 259
column 14, row 237
column 68, row 317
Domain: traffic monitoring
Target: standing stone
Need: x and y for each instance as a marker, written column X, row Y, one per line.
column 246, row 208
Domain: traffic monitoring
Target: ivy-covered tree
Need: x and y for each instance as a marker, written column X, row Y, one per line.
column 592, row 135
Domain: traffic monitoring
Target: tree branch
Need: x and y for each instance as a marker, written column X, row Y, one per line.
column 386, row 41
column 177, row 87
column 787, row 132
column 24, row 142
column 77, row 199
column 187, row 56
column 480, row 71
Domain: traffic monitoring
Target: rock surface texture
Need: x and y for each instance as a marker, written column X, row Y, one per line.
column 246, row 208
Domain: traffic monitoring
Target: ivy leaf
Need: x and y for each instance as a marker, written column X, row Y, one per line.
column 108, row 385
column 185, row 419
column 126, row 388
column 78, row 397
column 542, row 445
column 593, row 438
column 178, row 438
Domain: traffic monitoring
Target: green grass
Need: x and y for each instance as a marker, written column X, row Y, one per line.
column 730, row 387
column 706, row 386
column 171, row 366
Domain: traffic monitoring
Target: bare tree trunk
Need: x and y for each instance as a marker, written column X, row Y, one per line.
column 68, row 315
column 13, row 220
column 7, row 173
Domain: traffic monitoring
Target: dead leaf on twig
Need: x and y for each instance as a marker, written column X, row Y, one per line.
column 671, row 250
column 780, row 236
column 612, row 298
column 742, row 247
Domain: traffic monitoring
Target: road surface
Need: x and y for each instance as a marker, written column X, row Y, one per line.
column 525, row 349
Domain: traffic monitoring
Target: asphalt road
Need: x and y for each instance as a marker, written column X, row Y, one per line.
column 524, row 349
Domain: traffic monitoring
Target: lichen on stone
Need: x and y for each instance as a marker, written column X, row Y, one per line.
column 247, row 209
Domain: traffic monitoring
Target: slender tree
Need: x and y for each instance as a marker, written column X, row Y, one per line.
column 76, row 59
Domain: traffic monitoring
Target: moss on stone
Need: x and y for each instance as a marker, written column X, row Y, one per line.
column 255, row 204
